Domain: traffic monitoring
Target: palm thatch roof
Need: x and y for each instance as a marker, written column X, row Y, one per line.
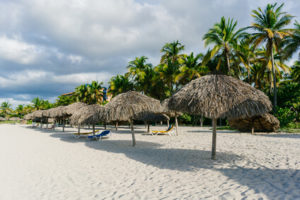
column 126, row 106
column 72, row 108
column 14, row 119
column 38, row 114
column 220, row 96
column 262, row 123
column 90, row 114
column 166, row 110
column 151, row 117
column 28, row 116
column 57, row 112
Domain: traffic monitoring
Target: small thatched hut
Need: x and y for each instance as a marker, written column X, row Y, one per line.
column 262, row 123
column 90, row 114
column 126, row 106
column 220, row 96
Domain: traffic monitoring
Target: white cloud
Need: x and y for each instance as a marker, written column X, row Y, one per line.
column 16, row 50
column 14, row 103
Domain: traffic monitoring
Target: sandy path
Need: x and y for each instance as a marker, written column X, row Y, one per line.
column 39, row 164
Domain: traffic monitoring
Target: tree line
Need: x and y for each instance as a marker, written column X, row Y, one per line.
column 256, row 54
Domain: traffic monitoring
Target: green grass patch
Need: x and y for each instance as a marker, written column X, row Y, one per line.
column 225, row 128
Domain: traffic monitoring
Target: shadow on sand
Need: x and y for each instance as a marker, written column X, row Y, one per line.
column 274, row 183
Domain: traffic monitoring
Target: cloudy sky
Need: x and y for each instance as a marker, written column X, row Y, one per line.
column 49, row 47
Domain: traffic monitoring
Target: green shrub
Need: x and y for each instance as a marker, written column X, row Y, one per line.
column 285, row 116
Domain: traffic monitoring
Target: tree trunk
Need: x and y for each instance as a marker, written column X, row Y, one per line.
column 228, row 62
column 274, row 80
column 176, row 123
column 132, row 133
column 214, row 139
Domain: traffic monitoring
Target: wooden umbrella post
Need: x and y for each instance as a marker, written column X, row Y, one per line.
column 201, row 121
column 148, row 127
column 214, row 139
column 94, row 129
column 116, row 126
column 105, row 126
column 176, row 123
column 63, row 121
column 168, row 123
column 78, row 129
column 132, row 132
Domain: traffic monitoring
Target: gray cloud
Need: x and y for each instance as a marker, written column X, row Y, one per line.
column 49, row 47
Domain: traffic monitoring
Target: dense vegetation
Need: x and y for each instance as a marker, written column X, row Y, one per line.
column 256, row 54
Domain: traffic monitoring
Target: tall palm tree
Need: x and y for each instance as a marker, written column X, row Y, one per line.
column 292, row 43
column 94, row 93
column 269, row 26
column 223, row 36
column 20, row 110
column 120, row 84
column 191, row 68
column 37, row 103
column 142, row 73
column 296, row 72
column 170, row 64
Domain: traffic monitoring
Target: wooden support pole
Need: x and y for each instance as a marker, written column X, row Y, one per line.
column 201, row 120
column 116, row 126
column 148, row 127
column 94, row 129
column 176, row 123
column 168, row 123
column 214, row 139
column 132, row 133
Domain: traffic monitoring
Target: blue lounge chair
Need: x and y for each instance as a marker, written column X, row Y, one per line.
column 99, row 136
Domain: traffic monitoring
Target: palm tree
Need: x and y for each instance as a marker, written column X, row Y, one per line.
column 20, row 110
column 191, row 68
column 224, row 37
column 296, row 72
column 269, row 24
column 292, row 43
column 94, row 92
column 5, row 108
column 170, row 64
column 37, row 103
column 120, row 84
column 142, row 73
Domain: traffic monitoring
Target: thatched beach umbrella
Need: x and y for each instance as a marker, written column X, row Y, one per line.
column 220, row 96
column 38, row 114
column 90, row 114
column 69, row 110
column 15, row 119
column 125, row 106
column 171, row 113
column 56, row 113
column 151, row 117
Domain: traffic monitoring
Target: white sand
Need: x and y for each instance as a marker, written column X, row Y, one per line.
column 37, row 164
